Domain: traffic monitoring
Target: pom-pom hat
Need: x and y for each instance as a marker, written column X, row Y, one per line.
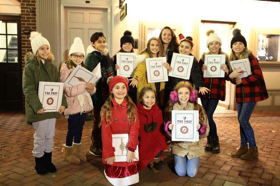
column 212, row 36
column 117, row 79
column 237, row 37
column 127, row 38
column 77, row 47
column 37, row 40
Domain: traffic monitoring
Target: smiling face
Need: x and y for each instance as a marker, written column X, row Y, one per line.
column 44, row 52
column 119, row 91
column 166, row 36
column 154, row 47
column 99, row 44
column 185, row 48
column 127, row 47
column 148, row 100
column 238, row 47
column 183, row 96
column 77, row 58
column 214, row 47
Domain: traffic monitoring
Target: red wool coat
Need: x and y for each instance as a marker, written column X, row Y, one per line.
column 119, row 125
column 150, row 142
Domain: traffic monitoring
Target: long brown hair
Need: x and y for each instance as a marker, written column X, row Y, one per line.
column 173, row 45
column 169, row 108
column 143, row 92
column 148, row 49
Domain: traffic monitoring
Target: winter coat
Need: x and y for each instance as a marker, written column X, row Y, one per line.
column 190, row 149
column 151, row 142
column 119, row 125
column 217, row 86
column 74, row 93
column 35, row 71
column 141, row 74
column 107, row 70
column 252, row 88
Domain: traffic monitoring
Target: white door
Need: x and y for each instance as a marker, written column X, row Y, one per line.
column 83, row 22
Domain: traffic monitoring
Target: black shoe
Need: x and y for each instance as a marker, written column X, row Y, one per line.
column 216, row 145
column 161, row 165
column 209, row 144
column 40, row 165
column 48, row 162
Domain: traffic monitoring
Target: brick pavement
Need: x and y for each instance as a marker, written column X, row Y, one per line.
column 17, row 162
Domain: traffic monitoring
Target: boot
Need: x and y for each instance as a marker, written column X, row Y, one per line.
column 159, row 165
column 40, row 165
column 216, row 145
column 94, row 148
column 250, row 154
column 68, row 155
column 209, row 144
column 77, row 152
column 48, row 160
column 151, row 166
column 242, row 150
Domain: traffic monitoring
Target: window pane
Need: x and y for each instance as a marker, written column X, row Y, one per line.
column 12, row 41
column 12, row 28
column 2, row 41
column 3, row 56
column 12, row 56
column 2, row 27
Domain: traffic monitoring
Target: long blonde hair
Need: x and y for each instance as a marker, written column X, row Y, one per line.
column 169, row 108
column 148, row 49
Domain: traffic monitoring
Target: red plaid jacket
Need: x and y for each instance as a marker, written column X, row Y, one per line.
column 217, row 86
column 252, row 88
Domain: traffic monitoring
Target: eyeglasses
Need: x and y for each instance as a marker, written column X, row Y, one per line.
column 77, row 56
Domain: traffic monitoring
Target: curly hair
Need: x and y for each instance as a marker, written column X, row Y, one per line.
column 169, row 108
column 173, row 45
column 148, row 49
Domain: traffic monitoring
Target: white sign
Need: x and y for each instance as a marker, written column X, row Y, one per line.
column 244, row 65
column 213, row 63
column 126, row 63
column 156, row 72
column 182, row 65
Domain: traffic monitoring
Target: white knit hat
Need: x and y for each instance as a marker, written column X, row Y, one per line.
column 212, row 36
column 37, row 40
column 77, row 46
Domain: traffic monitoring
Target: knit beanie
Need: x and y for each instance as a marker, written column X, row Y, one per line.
column 117, row 79
column 37, row 40
column 212, row 36
column 127, row 38
column 77, row 46
column 237, row 37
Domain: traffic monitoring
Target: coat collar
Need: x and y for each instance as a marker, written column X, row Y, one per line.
column 115, row 104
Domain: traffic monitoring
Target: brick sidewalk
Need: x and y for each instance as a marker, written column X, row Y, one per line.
column 17, row 162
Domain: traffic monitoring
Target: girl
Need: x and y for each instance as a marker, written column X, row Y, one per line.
column 185, row 47
column 127, row 45
column 152, row 139
column 79, row 103
column 217, row 88
column 97, row 53
column 154, row 49
column 168, row 40
column 39, row 67
column 119, row 116
column 249, row 90
column 186, row 154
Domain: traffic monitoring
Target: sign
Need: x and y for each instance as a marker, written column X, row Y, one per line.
column 156, row 72
column 214, row 63
column 182, row 65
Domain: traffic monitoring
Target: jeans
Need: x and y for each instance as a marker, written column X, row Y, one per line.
column 210, row 106
column 244, row 111
column 184, row 166
column 75, row 128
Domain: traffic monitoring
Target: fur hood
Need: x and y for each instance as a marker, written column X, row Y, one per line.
column 29, row 57
column 91, row 49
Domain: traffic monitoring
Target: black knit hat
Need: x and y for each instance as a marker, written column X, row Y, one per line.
column 237, row 37
column 127, row 38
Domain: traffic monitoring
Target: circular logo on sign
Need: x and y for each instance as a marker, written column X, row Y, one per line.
column 180, row 69
column 50, row 101
column 156, row 73
column 184, row 130
column 126, row 67
column 213, row 68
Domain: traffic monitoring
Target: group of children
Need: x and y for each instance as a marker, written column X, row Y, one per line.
column 135, row 107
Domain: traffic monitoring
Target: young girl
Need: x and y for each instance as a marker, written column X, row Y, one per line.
column 217, row 88
column 119, row 116
column 185, row 47
column 168, row 40
column 98, row 53
column 186, row 154
column 152, row 137
column 249, row 90
column 79, row 103
column 154, row 49
column 39, row 67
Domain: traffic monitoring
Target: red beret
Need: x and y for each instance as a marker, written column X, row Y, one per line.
column 115, row 80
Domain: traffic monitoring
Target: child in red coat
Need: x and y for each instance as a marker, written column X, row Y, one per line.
column 119, row 116
column 152, row 138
